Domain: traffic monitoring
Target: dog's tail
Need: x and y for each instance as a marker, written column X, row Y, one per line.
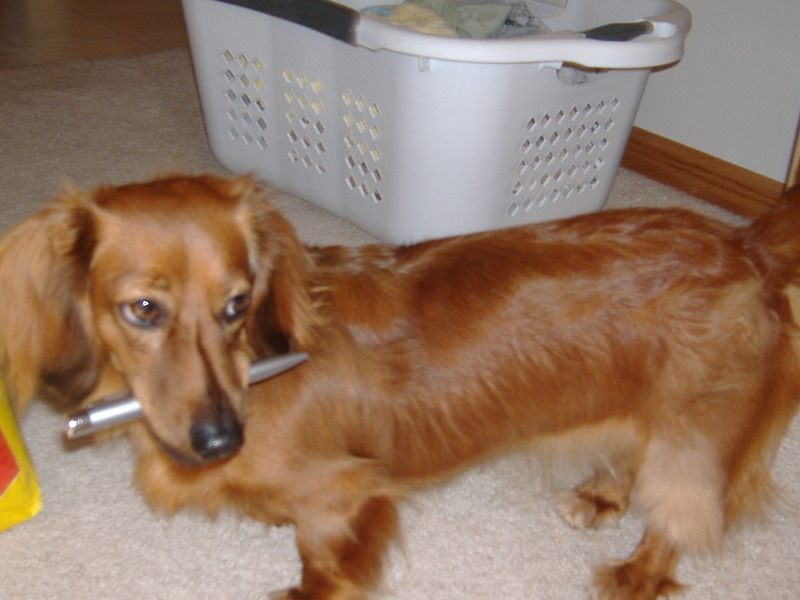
column 776, row 234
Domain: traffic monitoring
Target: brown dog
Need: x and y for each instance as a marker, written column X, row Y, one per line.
column 659, row 343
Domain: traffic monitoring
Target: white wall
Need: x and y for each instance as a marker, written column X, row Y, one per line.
column 736, row 93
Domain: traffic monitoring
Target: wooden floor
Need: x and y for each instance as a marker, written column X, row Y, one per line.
column 34, row 32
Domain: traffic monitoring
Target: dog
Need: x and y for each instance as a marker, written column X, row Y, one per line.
column 659, row 346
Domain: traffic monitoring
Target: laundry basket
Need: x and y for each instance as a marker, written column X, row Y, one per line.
column 414, row 136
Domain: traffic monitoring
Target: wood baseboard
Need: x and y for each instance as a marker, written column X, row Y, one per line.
column 699, row 174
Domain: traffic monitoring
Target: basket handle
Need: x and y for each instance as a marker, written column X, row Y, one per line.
column 619, row 32
column 331, row 18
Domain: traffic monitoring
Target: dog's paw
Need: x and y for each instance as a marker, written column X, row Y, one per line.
column 582, row 510
column 328, row 594
column 628, row 581
column 286, row 594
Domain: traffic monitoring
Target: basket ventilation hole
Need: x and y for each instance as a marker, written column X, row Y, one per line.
column 305, row 114
column 363, row 133
column 246, row 110
column 561, row 154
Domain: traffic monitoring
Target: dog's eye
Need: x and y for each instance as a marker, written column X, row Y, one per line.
column 236, row 307
column 142, row 313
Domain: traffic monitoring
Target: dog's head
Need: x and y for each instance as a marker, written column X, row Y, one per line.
column 174, row 285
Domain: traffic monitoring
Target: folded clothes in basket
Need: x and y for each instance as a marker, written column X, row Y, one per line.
column 520, row 22
column 463, row 18
column 469, row 19
column 414, row 17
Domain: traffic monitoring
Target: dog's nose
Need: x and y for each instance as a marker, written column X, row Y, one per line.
column 213, row 440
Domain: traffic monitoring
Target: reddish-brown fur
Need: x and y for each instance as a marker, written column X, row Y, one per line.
column 657, row 344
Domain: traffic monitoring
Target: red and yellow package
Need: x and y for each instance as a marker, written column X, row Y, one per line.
column 20, row 498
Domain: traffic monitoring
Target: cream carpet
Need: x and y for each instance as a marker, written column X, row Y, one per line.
column 492, row 533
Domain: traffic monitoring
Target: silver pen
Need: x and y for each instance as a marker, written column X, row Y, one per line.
column 122, row 407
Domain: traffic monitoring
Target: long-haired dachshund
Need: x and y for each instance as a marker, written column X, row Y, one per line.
column 659, row 346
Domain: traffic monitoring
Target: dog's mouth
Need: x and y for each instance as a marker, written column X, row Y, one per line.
column 195, row 459
column 180, row 457
column 215, row 430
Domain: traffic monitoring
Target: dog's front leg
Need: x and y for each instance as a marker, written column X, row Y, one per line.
column 344, row 524
column 344, row 563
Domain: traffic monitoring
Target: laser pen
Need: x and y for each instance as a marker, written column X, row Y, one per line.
column 122, row 407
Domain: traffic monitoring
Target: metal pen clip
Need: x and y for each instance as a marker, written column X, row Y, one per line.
column 122, row 407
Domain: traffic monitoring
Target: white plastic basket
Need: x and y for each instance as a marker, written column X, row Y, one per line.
column 415, row 136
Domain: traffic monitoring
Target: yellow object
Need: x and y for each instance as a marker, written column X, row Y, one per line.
column 20, row 498
column 422, row 20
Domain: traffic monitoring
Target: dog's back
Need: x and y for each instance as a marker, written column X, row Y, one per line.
column 661, row 343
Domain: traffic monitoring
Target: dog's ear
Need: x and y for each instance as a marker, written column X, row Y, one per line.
column 45, row 344
column 285, row 311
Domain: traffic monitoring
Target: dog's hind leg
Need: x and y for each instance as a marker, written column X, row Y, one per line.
column 617, row 449
column 646, row 575
column 600, row 500
column 679, row 491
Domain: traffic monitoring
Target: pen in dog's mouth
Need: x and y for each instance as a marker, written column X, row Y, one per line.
column 122, row 407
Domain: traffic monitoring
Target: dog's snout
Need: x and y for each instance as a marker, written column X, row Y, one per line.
column 214, row 439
